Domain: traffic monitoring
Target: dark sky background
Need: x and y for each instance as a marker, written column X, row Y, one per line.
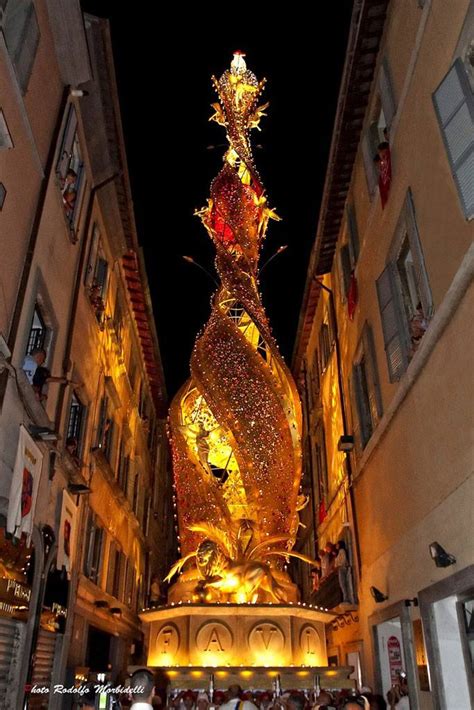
column 164, row 67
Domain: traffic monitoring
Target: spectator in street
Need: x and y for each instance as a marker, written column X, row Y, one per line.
column 356, row 702
column 296, row 701
column 324, row 701
column 86, row 701
column 233, row 694
column 202, row 702
column 376, row 702
column 142, row 684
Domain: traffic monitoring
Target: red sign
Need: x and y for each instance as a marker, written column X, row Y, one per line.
column 394, row 659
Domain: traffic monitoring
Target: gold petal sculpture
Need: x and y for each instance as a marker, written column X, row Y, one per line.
column 235, row 426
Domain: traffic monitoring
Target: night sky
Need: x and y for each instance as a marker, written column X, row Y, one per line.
column 163, row 71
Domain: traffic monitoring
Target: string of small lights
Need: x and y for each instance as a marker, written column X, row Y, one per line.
column 235, row 426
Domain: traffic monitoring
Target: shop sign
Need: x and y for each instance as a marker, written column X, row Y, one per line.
column 14, row 599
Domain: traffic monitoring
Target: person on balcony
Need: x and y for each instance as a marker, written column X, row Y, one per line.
column 343, row 571
column 32, row 361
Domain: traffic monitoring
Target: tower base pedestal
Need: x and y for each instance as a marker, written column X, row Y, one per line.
column 249, row 644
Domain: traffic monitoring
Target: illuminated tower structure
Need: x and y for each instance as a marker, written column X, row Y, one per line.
column 235, row 430
column 236, row 424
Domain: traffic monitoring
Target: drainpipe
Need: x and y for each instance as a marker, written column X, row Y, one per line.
column 344, row 422
column 15, row 323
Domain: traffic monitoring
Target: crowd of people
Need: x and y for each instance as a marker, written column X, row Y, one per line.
column 143, row 696
column 334, row 559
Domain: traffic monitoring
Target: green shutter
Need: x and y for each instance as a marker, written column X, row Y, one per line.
column 346, row 269
column 387, row 95
column 353, row 234
column 394, row 327
column 421, row 276
column 375, row 398
column 454, row 105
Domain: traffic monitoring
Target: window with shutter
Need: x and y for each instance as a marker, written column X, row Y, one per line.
column 352, row 235
column 5, row 138
column 67, row 143
column 395, row 332
column 375, row 397
column 454, row 105
column 365, row 390
column 70, row 170
column 22, row 35
column 76, row 423
column 369, row 151
column 387, row 96
column 320, row 464
column 393, row 324
column 405, row 299
column 354, row 412
column 111, row 568
column 345, row 260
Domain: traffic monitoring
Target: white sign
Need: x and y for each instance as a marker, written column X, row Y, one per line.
column 24, row 486
column 67, row 531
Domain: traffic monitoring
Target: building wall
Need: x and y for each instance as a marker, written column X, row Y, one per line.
column 412, row 481
column 96, row 357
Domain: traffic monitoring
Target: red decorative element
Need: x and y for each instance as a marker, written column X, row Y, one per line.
column 352, row 296
column 26, row 493
column 385, row 172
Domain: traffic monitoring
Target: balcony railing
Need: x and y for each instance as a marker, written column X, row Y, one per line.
column 329, row 594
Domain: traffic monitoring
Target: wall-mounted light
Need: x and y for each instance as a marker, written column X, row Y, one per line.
column 440, row 556
column 378, row 596
column 345, row 443
column 78, row 93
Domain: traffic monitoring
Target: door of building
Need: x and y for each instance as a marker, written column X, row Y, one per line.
column 390, row 652
column 98, row 650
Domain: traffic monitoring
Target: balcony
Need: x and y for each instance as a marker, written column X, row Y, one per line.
column 329, row 594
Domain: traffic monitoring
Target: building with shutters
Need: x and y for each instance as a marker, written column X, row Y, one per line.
column 84, row 484
column 383, row 349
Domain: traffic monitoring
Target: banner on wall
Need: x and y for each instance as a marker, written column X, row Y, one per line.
column 67, row 531
column 24, row 486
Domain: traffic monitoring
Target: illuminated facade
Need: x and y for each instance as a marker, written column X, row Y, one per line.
column 84, row 478
column 384, row 333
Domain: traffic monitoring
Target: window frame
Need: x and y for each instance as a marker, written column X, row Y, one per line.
column 395, row 323
column 79, row 435
column 367, row 408
column 458, row 69
column 24, row 50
